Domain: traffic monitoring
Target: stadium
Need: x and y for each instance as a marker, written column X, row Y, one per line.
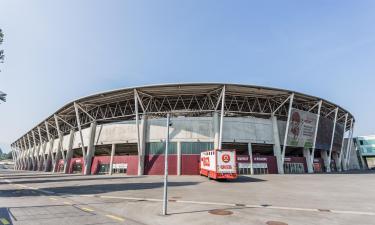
column 124, row 131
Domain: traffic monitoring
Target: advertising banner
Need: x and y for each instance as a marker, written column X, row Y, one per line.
column 301, row 128
column 323, row 140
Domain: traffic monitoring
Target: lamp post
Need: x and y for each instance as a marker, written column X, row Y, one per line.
column 165, row 197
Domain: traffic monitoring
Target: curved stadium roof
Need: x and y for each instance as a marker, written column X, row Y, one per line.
column 191, row 99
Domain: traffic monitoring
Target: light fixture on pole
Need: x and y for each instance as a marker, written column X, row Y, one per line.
column 3, row 96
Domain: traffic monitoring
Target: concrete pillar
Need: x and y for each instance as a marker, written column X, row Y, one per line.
column 113, row 152
column 216, row 126
column 309, row 161
column 335, row 156
column 276, row 146
column 43, row 152
column 250, row 149
column 179, row 155
column 55, row 163
column 69, row 152
column 90, row 149
column 50, row 158
column 142, row 145
column 324, row 155
column 30, row 162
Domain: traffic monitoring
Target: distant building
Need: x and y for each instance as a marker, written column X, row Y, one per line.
column 366, row 150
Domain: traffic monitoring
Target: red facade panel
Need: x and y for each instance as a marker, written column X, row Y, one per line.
column 73, row 161
column 270, row 160
column 154, row 165
column 190, row 164
column 297, row 160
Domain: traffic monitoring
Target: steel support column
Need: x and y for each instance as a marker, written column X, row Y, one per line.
column 332, row 139
column 339, row 162
column 222, row 117
column 277, row 145
column 348, row 146
column 113, row 152
column 69, row 152
column 350, row 141
column 287, row 129
column 90, row 149
column 315, row 137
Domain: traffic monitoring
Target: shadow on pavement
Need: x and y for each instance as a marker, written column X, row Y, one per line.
column 243, row 179
column 91, row 189
column 36, row 180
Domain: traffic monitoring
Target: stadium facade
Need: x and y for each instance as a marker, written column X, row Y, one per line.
column 124, row 131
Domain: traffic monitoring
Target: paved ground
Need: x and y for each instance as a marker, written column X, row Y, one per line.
column 44, row 198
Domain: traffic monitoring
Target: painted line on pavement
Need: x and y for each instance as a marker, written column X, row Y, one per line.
column 236, row 205
column 67, row 203
column 115, row 217
column 33, row 188
column 87, row 209
column 4, row 221
column 54, row 199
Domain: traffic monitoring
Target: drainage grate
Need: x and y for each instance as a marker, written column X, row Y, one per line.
column 220, row 212
column 276, row 223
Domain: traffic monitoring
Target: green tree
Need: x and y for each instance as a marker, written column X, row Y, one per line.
column 9, row 156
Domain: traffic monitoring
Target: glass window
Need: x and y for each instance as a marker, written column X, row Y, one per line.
column 367, row 142
column 158, row 148
column 195, row 148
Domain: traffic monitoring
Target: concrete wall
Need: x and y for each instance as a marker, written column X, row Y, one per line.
column 249, row 129
column 116, row 133
column 254, row 130
column 183, row 129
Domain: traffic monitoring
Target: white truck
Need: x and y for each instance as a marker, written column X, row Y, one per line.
column 218, row 164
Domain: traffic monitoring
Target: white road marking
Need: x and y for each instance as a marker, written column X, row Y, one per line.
column 237, row 205
column 87, row 209
column 115, row 217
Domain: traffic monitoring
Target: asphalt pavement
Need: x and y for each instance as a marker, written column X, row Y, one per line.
column 45, row 198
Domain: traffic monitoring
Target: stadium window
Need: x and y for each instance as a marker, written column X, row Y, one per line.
column 158, row 148
column 195, row 148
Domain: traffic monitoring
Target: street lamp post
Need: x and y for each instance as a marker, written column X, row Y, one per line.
column 165, row 197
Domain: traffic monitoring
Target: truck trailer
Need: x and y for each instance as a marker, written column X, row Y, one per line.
column 218, row 164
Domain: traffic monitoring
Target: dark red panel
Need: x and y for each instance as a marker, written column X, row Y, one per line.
column 154, row 165
column 190, row 164
column 270, row 160
column 297, row 160
column 75, row 160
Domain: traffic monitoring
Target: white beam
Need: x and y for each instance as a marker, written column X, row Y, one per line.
column 339, row 163
column 80, row 130
column 287, row 128
column 332, row 139
column 316, row 133
column 222, row 117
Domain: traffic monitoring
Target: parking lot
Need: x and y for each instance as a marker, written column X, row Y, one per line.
column 44, row 198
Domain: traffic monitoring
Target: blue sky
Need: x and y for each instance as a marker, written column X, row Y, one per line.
column 57, row 51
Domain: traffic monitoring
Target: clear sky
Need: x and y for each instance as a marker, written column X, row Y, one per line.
column 57, row 51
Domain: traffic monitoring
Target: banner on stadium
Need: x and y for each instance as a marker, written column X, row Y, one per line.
column 301, row 128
